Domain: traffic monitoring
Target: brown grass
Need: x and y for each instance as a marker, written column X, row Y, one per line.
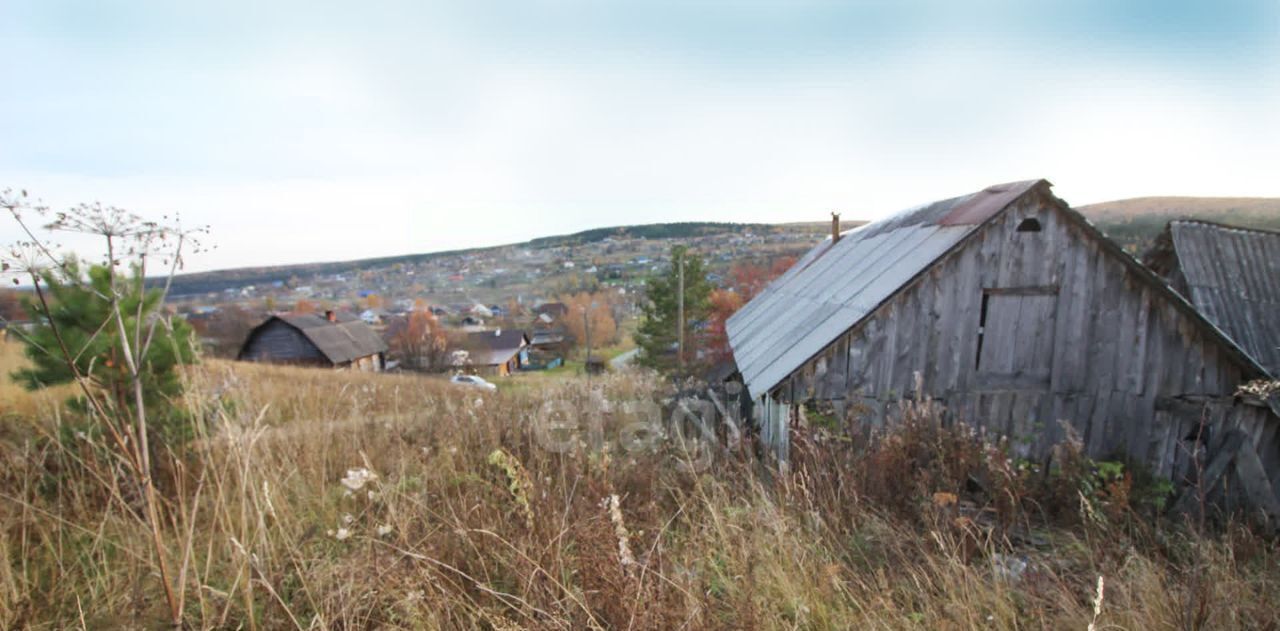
column 526, row 539
column 15, row 402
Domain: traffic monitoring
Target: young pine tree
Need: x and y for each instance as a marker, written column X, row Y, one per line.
column 81, row 314
column 659, row 329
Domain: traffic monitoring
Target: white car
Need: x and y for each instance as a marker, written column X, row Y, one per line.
column 472, row 381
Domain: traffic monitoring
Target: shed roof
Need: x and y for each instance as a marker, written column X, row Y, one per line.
column 341, row 342
column 1232, row 277
column 490, row 348
column 547, row 336
column 554, row 309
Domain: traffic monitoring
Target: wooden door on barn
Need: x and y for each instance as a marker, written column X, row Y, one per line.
column 1178, row 437
column 1015, row 338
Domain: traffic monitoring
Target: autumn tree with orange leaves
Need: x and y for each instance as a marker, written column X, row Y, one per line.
column 599, row 315
column 420, row 341
column 745, row 281
column 748, row 278
column 724, row 303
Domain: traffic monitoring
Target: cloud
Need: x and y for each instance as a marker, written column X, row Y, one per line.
column 312, row 132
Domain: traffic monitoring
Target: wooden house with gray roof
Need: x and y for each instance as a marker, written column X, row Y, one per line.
column 1020, row 318
column 500, row 352
column 314, row 340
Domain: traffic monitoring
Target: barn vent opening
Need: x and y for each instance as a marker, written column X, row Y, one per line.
column 1030, row 224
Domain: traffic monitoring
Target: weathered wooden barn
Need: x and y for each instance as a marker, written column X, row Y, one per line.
column 1019, row 316
column 1231, row 275
column 314, row 340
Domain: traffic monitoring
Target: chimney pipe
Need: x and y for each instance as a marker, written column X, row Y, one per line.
column 835, row 227
column 330, row 316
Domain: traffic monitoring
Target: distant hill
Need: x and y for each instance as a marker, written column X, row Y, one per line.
column 1135, row 222
column 679, row 230
column 218, row 280
column 1131, row 222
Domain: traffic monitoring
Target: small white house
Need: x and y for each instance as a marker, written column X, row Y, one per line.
column 373, row 316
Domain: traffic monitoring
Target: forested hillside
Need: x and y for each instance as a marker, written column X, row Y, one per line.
column 1135, row 222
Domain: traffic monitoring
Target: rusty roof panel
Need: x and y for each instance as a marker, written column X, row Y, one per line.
column 980, row 207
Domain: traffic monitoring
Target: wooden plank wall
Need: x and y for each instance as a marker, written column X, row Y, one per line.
column 368, row 363
column 279, row 342
column 772, row 416
column 1127, row 373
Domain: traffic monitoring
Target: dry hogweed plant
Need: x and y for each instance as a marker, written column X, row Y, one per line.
column 127, row 240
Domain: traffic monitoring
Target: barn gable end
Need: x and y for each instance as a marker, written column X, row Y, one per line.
column 278, row 341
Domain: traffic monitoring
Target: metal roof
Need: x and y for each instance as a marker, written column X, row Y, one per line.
column 341, row 341
column 1233, row 277
column 834, row 286
column 498, row 339
column 490, row 348
column 546, row 337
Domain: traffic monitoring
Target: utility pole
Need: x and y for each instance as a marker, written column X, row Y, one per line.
column 680, row 318
column 586, row 328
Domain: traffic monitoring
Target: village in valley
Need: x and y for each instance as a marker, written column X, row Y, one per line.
column 499, row 311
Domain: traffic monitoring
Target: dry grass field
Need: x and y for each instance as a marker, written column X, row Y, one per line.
column 322, row 500
column 17, row 404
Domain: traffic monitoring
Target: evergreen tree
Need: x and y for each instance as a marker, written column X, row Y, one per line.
column 658, row 333
column 81, row 313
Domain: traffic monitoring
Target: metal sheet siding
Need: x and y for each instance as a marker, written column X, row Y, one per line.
column 833, row 287
column 1233, row 277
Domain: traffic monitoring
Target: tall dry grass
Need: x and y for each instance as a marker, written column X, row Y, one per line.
column 16, row 404
column 312, row 499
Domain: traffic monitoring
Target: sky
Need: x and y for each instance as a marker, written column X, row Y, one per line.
column 309, row 131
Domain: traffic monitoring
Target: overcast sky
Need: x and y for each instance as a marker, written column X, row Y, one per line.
column 317, row 131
